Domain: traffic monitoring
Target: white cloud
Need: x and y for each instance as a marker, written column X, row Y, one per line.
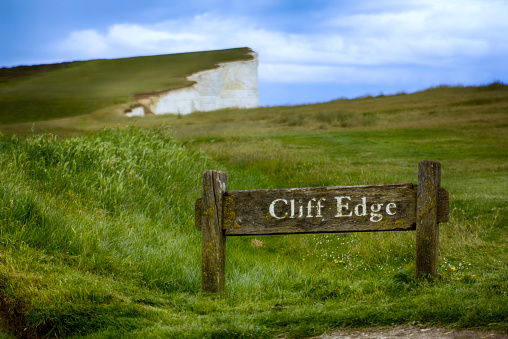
column 432, row 30
column 87, row 43
column 359, row 48
column 136, row 35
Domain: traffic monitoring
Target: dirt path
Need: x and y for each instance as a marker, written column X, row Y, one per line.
column 408, row 331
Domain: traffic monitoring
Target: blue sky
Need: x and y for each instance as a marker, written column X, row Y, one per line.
column 309, row 51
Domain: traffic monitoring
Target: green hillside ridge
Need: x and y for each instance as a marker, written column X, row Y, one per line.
column 45, row 92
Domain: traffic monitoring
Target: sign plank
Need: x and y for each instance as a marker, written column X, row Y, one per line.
column 322, row 210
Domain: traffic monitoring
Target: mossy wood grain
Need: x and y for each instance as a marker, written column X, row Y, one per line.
column 427, row 226
column 213, row 256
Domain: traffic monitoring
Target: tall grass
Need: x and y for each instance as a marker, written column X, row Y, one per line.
column 97, row 201
column 77, row 212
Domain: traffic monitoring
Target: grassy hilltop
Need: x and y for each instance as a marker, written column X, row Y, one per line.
column 46, row 92
column 97, row 236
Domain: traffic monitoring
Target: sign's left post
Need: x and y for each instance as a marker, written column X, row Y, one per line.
column 213, row 257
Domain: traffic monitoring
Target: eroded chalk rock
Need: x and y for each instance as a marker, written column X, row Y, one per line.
column 230, row 85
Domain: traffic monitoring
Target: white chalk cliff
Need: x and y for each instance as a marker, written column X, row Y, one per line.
column 231, row 85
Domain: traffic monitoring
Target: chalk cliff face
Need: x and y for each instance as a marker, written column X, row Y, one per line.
column 231, row 84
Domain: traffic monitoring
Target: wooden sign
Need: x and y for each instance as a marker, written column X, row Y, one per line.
column 399, row 207
column 322, row 210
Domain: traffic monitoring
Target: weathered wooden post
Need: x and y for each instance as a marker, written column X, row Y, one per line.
column 213, row 264
column 427, row 226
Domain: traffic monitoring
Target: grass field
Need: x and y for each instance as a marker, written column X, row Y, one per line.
column 97, row 229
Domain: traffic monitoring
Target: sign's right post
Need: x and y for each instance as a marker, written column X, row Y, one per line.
column 427, row 227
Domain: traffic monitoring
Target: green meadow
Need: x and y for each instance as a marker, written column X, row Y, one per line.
column 97, row 236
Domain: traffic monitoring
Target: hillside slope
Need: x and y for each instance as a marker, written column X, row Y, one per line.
column 46, row 92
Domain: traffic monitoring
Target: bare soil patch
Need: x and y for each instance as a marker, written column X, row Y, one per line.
column 408, row 331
